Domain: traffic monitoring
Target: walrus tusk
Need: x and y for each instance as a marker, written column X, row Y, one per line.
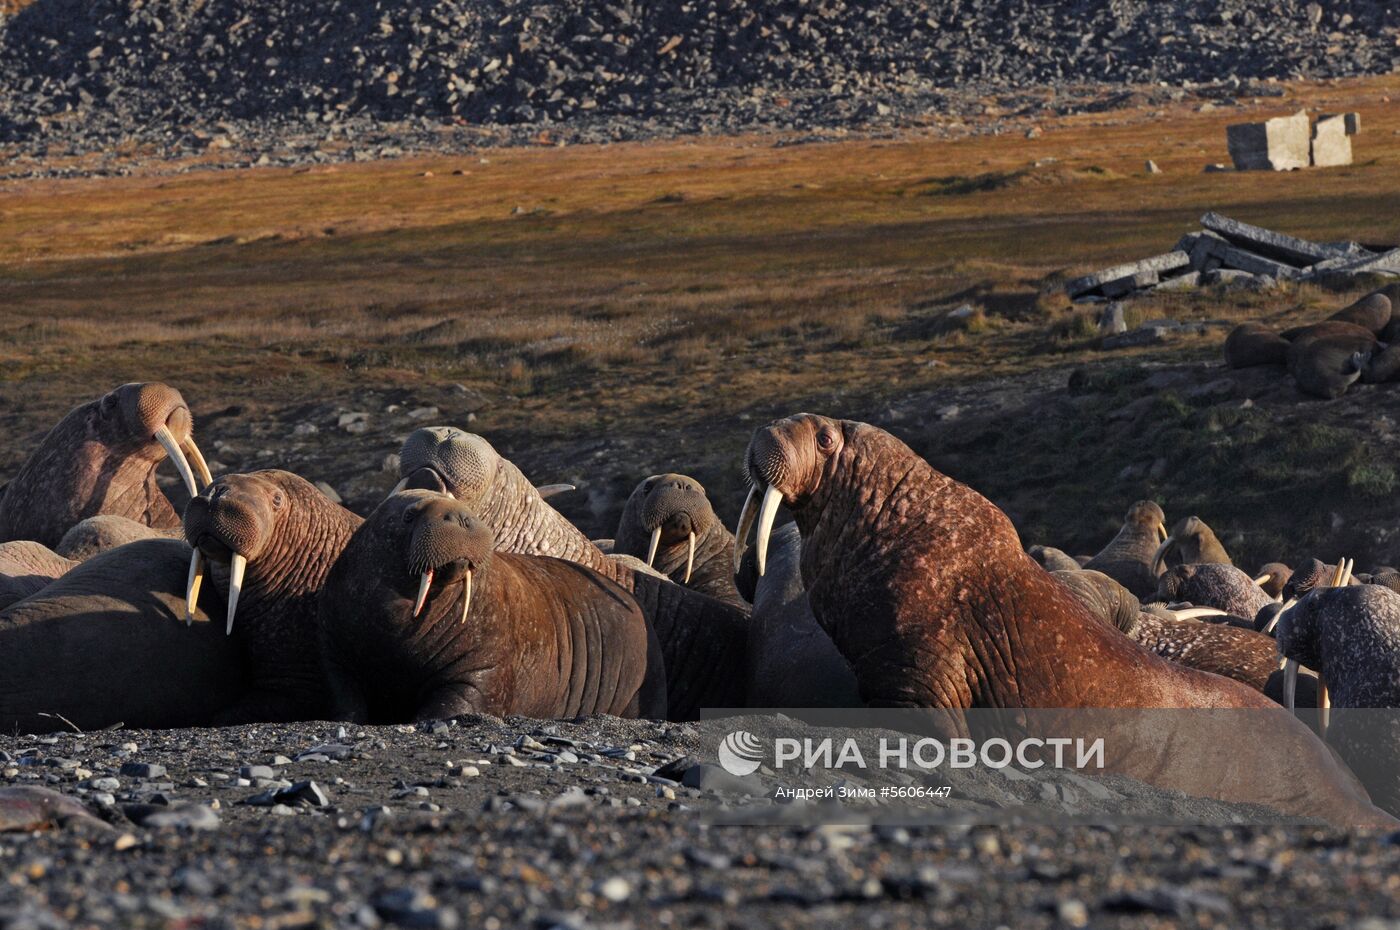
column 1162, row 528
column 1346, row 567
column 172, row 449
column 547, row 491
column 1263, row 578
column 690, row 559
column 767, row 513
column 424, row 584
column 1290, row 683
column 467, row 597
column 651, row 550
column 403, row 483
column 1160, row 555
column 1269, row 628
column 1324, row 707
column 741, row 535
column 237, row 566
column 192, row 585
column 201, row 467
column 1192, row 613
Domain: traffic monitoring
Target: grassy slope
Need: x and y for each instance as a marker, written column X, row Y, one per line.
column 684, row 290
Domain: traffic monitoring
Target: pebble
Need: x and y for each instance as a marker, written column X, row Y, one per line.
column 142, row 770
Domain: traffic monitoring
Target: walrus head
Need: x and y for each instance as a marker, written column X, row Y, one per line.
column 233, row 521
column 442, row 543
column 101, row 459
column 1149, row 516
column 465, row 466
column 1195, row 541
column 669, row 511
column 787, row 462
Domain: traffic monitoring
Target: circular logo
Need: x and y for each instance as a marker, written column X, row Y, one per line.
column 740, row 753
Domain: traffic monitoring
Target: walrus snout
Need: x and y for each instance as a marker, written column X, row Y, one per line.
column 230, row 521
column 447, row 544
column 464, row 462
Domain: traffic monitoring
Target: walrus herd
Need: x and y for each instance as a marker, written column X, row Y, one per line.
column 466, row 592
column 1357, row 343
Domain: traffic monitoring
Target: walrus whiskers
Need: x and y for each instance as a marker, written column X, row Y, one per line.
column 192, row 585
column 236, row 568
column 172, row 449
column 424, row 584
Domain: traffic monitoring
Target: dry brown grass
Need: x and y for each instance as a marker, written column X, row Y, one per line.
column 685, row 282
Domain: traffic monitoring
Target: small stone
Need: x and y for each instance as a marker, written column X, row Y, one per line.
column 329, row 492
column 615, row 889
column 423, row 413
column 408, row 907
column 1151, row 167
column 1072, row 913
column 257, row 771
column 142, row 770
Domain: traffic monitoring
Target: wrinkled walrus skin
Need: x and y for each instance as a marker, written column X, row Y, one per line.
column 541, row 637
column 107, row 644
column 1128, row 557
column 1211, row 584
column 671, row 509
column 27, row 568
column 1351, row 637
column 923, row 586
column 290, row 534
column 100, row 459
column 702, row 639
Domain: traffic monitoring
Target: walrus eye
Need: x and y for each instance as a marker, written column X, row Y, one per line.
column 826, row 440
column 277, row 499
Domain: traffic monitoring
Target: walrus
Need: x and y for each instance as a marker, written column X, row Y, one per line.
column 26, row 568
column 1128, row 557
column 101, row 458
column 1351, row 636
column 1191, row 542
column 278, row 535
column 1380, row 366
column 1251, row 344
column 702, row 639
column 1271, row 578
column 1209, row 584
column 1371, row 313
column 1242, row 655
column 669, row 522
column 922, row 585
column 1326, row 358
column 106, row 531
column 107, row 644
column 1053, row 560
column 791, row 660
column 420, row 619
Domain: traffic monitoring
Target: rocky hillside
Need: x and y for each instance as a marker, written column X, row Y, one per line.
column 99, row 70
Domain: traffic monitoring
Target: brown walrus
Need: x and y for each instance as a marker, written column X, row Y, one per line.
column 421, row 619
column 278, row 535
column 1191, row 542
column 101, row 459
column 702, row 639
column 107, row 644
column 1251, row 344
column 669, row 522
column 922, row 584
column 1372, row 313
column 1243, row 655
column 1128, row 557
column 1326, row 358
column 106, row 531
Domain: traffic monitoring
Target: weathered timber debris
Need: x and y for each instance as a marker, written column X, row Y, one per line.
column 1227, row 251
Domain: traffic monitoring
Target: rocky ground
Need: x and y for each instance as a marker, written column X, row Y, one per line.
column 609, row 823
column 300, row 81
